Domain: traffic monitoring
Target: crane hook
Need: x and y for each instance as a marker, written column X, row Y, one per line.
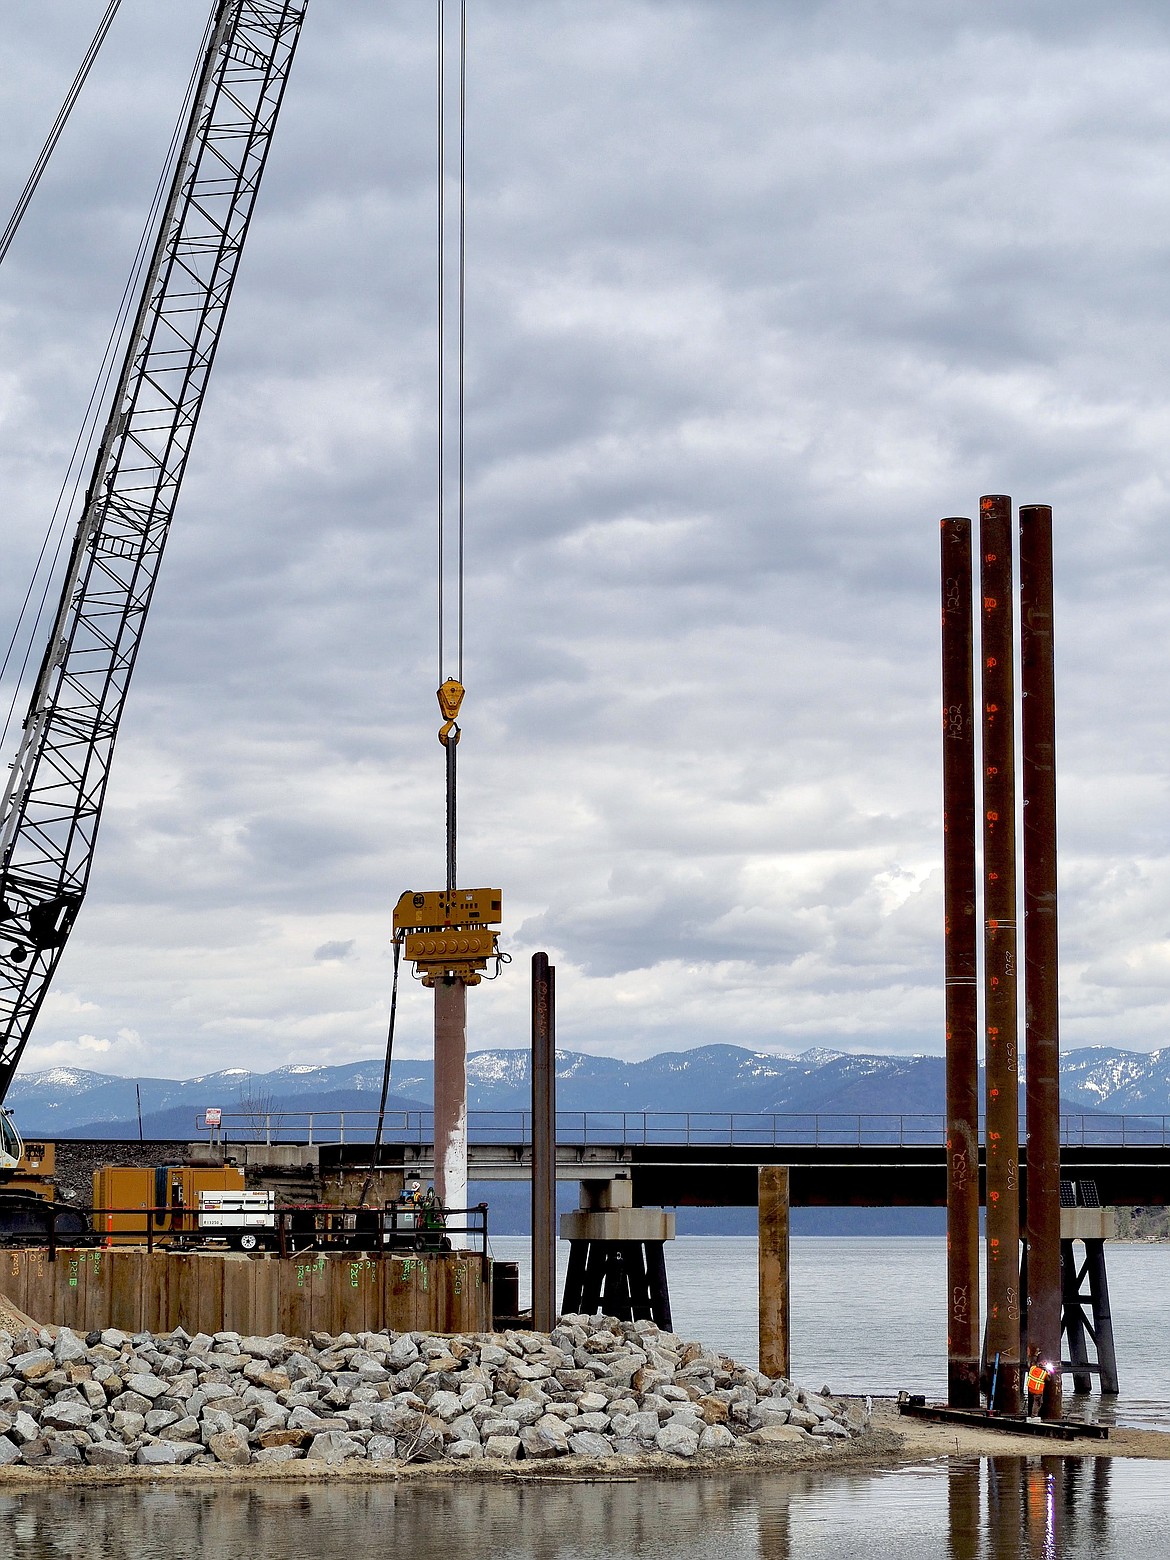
column 450, row 697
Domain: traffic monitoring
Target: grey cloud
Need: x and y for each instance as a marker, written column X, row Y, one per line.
column 335, row 950
column 757, row 292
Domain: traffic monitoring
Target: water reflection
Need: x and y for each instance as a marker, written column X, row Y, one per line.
column 1034, row 1508
column 1000, row 1508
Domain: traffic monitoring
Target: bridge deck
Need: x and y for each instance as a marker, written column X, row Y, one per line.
column 842, row 1175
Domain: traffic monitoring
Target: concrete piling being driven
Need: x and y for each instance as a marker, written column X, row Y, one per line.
column 961, row 949
column 1000, row 952
column 773, row 1271
column 451, row 1093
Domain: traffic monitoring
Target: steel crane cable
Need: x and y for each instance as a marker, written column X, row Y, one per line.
column 58, row 126
column 83, row 444
column 441, row 242
column 462, row 296
column 461, row 328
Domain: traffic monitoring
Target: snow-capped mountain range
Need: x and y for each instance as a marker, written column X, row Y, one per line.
column 65, row 1101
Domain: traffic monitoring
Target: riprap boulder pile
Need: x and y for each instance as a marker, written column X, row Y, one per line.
column 594, row 1388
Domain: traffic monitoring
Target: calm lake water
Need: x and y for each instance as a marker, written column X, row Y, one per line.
column 866, row 1317
column 969, row 1509
column 868, row 1314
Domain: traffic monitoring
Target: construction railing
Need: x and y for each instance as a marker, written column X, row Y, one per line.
column 394, row 1230
column 690, row 1129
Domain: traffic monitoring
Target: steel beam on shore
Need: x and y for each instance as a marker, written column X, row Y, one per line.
column 773, row 1271
column 544, row 1150
column 1041, row 986
column 1000, row 951
column 961, row 943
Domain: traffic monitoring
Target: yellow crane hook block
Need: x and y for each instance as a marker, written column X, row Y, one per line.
column 450, row 697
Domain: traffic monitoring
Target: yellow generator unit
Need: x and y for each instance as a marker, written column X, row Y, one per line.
column 122, row 1195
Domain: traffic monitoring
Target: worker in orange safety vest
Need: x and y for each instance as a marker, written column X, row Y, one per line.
column 1036, row 1381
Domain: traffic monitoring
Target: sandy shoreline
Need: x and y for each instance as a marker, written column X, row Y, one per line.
column 891, row 1441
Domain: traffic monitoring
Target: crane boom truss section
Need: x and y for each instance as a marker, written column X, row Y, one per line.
column 52, row 806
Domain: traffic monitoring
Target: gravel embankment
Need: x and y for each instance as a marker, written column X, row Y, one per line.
column 592, row 1390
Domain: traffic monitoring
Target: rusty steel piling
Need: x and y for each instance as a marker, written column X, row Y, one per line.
column 961, row 952
column 1042, row 1086
column 544, row 1148
column 1000, row 950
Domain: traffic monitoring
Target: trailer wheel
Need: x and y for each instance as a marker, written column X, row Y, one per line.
column 248, row 1241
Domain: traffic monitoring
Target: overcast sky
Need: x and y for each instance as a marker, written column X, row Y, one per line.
column 756, row 294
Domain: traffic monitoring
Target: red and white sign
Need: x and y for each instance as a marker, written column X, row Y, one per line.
column 212, row 1116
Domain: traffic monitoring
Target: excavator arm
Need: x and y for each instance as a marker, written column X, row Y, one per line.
column 52, row 805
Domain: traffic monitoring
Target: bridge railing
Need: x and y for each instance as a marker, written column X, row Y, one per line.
column 632, row 1129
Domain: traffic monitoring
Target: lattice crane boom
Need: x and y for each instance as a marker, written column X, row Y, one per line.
column 52, row 805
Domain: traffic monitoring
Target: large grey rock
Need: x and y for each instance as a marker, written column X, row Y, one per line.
column 213, row 1391
column 9, row 1451
column 504, row 1447
column 446, row 1405
column 403, row 1352
column 231, row 1448
column 525, row 1411
column 272, row 1379
column 464, row 1451
column 463, row 1429
column 585, row 1443
column 108, row 1454
column 131, row 1403
column 24, row 1429
column 277, row 1454
column 33, row 1364
column 146, row 1384
column 334, row 1446
column 69, row 1348
column 677, row 1440
column 381, row 1448
column 716, row 1438
column 262, row 1348
column 538, row 1444
column 831, row 1428
column 157, row 1419
column 165, row 1453
column 60, row 1415
column 62, row 1454
column 766, row 1414
column 94, row 1393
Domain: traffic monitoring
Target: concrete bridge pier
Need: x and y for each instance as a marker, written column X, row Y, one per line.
column 617, row 1262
